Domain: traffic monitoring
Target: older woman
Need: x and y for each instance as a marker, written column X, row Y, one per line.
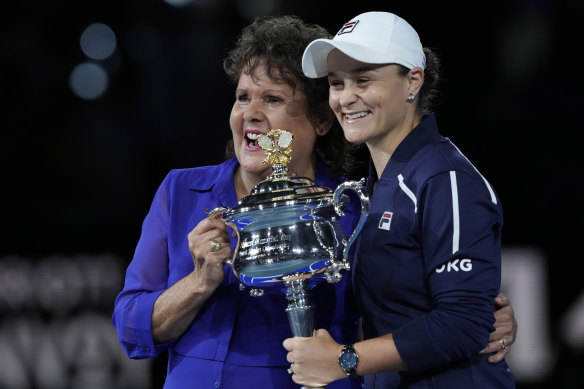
column 179, row 296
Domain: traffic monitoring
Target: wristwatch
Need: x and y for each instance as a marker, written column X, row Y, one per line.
column 348, row 360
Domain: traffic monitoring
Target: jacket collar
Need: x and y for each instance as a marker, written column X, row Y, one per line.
column 219, row 180
column 423, row 134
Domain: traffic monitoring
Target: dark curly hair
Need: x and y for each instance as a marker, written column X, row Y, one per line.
column 280, row 42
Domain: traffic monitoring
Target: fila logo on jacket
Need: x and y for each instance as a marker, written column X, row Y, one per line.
column 455, row 265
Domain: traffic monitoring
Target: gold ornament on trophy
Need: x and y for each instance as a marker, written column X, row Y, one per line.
column 276, row 145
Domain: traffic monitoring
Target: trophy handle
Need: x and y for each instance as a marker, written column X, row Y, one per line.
column 231, row 261
column 359, row 188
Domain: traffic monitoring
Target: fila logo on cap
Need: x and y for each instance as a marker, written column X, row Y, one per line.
column 348, row 27
column 385, row 221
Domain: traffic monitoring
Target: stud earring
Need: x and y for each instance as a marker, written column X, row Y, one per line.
column 410, row 96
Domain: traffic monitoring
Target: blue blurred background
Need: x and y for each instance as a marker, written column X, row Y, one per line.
column 102, row 98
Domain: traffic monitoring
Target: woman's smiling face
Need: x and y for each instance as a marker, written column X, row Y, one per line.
column 368, row 100
column 262, row 104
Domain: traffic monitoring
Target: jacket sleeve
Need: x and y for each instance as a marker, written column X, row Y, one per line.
column 460, row 221
column 146, row 278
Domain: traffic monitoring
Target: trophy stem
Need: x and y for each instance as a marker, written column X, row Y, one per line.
column 300, row 311
column 279, row 173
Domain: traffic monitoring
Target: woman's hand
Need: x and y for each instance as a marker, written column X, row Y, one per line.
column 502, row 338
column 176, row 308
column 314, row 360
column 209, row 247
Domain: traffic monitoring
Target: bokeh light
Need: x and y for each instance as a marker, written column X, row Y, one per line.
column 88, row 80
column 98, row 41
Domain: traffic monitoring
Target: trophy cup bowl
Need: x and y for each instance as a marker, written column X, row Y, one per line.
column 289, row 233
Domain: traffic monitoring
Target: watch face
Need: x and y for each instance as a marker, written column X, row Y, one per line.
column 348, row 360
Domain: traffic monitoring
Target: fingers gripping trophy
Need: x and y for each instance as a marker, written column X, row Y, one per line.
column 288, row 233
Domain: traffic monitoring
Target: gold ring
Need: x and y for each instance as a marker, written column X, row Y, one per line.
column 215, row 246
column 503, row 342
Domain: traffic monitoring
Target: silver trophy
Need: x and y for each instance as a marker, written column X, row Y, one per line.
column 289, row 234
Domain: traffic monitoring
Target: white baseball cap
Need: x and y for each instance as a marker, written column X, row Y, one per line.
column 371, row 37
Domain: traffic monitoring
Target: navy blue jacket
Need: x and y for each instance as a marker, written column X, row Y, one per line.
column 429, row 265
